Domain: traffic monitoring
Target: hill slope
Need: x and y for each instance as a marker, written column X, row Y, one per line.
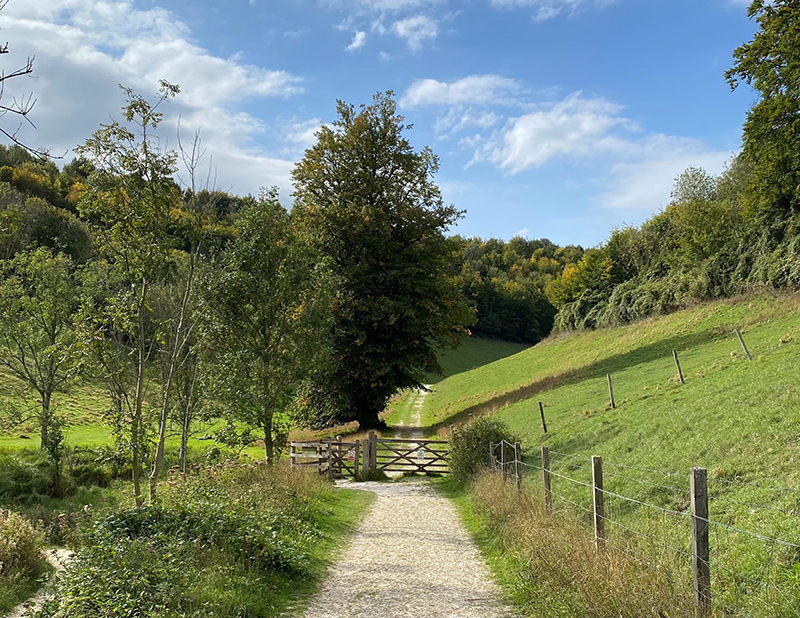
column 738, row 419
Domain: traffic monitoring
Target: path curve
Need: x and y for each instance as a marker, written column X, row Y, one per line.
column 410, row 557
column 56, row 557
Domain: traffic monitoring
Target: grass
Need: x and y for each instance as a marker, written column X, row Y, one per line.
column 548, row 566
column 472, row 353
column 15, row 591
column 738, row 419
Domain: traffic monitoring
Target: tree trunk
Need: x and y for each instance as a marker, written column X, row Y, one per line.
column 268, row 446
column 173, row 360
column 137, row 410
column 45, row 419
column 184, row 439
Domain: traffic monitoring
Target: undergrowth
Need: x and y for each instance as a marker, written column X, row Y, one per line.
column 233, row 540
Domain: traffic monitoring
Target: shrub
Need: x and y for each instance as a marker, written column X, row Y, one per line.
column 20, row 546
column 229, row 529
column 469, row 445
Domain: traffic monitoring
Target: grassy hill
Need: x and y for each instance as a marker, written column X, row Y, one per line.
column 739, row 419
column 474, row 352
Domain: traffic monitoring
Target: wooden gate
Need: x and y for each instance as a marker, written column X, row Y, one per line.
column 340, row 459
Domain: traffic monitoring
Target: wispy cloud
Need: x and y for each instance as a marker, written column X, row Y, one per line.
column 416, row 30
column 359, row 40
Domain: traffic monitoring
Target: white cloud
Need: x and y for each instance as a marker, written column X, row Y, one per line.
column 548, row 9
column 84, row 48
column 644, row 176
column 304, row 133
column 471, row 90
column 458, row 119
column 523, row 233
column 638, row 170
column 576, row 126
column 416, row 30
column 359, row 40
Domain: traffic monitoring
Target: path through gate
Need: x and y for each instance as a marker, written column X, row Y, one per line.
column 339, row 459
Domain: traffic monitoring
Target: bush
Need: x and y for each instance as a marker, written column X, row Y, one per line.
column 210, row 540
column 20, row 546
column 469, row 445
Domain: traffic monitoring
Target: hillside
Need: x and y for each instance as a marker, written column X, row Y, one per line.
column 738, row 419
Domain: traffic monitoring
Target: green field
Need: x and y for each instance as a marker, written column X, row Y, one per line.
column 472, row 353
column 738, row 419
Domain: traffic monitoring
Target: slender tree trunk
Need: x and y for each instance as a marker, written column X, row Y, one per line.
column 187, row 417
column 45, row 419
column 137, row 410
column 173, row 359
column 268, row 446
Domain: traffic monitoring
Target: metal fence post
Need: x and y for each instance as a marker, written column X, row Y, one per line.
column 548, row 496
column 701, row 567
column 599, row 510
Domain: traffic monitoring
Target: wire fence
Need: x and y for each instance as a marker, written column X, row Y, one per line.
column 682, row 525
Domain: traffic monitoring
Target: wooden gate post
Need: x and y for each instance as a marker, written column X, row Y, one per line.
column 330, row 461
column 599, row 511
column 355, row 461
column 373, row 451
column 291, row 455
column 548, row 496
column 367, row 459
column 518, row 466
column 700, row 550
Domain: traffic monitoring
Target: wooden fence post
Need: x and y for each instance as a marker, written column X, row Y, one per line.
column 700, row 550
column 291, row 455
column 548, row 496
column 503, row 460
column 356, row 460
column 541, row 411
column 744, row 346
column 599, row 510
column 678, row 365
column 518, row 466
column 330, row 460
column 611, row 391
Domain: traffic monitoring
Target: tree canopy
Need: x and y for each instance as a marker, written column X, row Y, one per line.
column 366, row 200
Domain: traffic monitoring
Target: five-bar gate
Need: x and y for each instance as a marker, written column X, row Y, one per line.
column 340, row 459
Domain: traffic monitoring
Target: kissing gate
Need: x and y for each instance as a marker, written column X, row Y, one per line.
column 340, row 459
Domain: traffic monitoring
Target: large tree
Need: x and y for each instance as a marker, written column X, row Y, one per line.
column 770, row 63
column 366, row 198
column 266, row 316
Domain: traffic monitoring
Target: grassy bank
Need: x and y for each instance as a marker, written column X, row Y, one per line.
column 738, row 419
column 548, row 566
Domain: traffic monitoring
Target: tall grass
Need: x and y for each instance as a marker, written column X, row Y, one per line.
column 550, row 567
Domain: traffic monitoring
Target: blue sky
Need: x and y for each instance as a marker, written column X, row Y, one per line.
column 552, row 118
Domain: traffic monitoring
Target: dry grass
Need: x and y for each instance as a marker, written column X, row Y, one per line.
column 557, row 570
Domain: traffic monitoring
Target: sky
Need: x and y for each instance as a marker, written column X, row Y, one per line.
column 557, row 119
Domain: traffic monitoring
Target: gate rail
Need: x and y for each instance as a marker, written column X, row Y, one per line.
column 340, row 459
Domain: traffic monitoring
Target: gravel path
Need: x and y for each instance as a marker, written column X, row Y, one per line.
column 410, row 557
column 58, row 558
